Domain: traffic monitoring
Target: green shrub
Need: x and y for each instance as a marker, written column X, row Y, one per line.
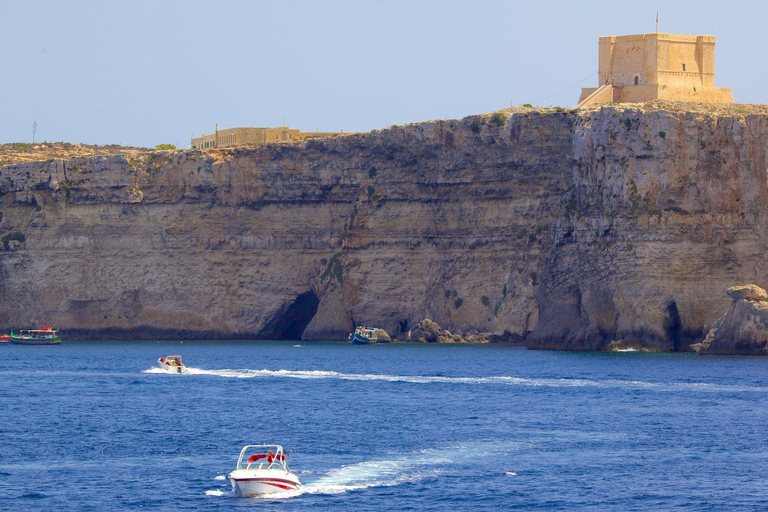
column 447, row 294
column 486, row 301
column 457, row 303
column 663, row 134
column 498, row 119
column 165, row 146
column 533, row 277
column 474, row 127
column 372, row 172
column 504, row 290
column 38, row 208
column 628, row 124
column 521, row 233
column 370, row 190
column 528, row 105
column 333, row 267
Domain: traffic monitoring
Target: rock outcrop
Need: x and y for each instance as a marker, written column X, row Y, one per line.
column 744, row 328
column 569, row 230
column 383, row 336
column 427, row 331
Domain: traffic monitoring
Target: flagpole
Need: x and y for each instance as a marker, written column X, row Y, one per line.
column 657, row 22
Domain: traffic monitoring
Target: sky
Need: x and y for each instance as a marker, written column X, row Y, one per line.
column 146, row 72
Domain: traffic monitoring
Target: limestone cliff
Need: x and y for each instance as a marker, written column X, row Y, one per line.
column 569, row 229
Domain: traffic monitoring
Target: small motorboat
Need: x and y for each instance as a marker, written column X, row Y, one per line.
column 364, row 336
column 5, row 338
column 262, row 469
column 172, row 364
column 43, row 336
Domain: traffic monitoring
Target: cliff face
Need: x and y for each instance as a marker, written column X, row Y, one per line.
column 573, row 229
column 666, row 211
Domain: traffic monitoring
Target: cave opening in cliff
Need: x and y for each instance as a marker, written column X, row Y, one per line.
column 289, row 323
column 673, row 326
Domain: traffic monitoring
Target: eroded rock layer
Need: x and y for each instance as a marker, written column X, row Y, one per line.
column 569, row 230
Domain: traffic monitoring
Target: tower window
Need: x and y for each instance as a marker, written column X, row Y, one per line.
column 683, row 67
column 637, row 79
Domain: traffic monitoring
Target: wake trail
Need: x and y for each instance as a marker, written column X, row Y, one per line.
column 490, row 380
column 393, row 470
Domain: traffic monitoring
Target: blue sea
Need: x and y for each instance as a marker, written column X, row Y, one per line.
column 93, row 426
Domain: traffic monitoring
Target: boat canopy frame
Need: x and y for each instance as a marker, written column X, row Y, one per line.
column 278, row 458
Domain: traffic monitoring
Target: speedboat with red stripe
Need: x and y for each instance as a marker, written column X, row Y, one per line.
column 262, row 469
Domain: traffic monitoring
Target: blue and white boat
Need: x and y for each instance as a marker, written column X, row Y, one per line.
column 364, row 336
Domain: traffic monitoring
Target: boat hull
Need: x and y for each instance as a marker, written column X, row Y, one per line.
column 171, row 368
column 356, row 339
column 36, row 341
column 262, row 481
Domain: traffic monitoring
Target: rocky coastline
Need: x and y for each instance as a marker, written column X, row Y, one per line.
column 598, row 229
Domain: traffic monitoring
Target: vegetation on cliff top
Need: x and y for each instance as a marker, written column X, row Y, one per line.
column 14, row 153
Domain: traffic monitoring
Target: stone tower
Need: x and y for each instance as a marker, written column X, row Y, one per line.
column 649, row 67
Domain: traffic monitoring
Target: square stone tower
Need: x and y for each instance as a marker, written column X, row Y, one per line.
column 647, row 67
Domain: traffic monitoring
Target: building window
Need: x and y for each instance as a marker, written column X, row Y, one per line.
column 637, row 79
column 683, row 67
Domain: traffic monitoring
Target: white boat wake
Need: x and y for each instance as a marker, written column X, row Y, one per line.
column 495, row 380
column 388, row 471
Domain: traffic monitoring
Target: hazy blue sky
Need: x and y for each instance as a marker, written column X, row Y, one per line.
column 147, row 72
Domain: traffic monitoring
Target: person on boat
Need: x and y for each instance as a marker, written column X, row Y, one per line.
column 270, row 457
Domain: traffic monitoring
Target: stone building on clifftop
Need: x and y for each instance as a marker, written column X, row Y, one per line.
column 231, row 137
column 647, row 67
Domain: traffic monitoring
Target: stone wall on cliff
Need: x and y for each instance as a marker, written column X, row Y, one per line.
column 570, row 229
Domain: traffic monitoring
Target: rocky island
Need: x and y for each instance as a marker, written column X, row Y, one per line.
column 609, row 226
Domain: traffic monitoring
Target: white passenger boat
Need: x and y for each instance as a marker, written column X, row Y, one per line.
column 262, row 469
column 172, row 364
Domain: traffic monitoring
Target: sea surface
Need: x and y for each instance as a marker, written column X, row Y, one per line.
column 93, row 426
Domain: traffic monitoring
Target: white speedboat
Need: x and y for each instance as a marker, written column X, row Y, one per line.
column 262, row 469
column 172, row 364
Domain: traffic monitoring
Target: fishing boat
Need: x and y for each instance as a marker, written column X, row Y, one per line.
column 364, row 336
column 172, row 364
column 5, row 338
column 43, row 336
column 262, row 469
